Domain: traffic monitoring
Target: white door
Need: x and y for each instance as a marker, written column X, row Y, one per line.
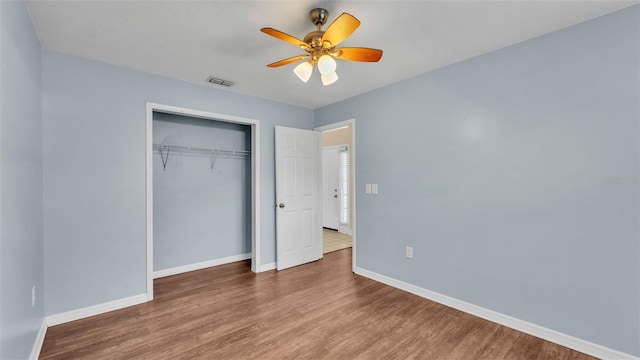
column 298, row 191
column 330, row 188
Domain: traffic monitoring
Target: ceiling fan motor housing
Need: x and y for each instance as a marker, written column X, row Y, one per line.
column 314, row 39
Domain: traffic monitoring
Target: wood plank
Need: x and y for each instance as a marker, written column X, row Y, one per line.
column 315, row 311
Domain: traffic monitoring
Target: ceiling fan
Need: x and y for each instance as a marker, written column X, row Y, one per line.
column 321, row 46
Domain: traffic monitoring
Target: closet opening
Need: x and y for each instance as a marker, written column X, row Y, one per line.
column 202, row 191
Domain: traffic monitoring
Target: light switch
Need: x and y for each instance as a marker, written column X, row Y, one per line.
column 374, row 189
column 367, row 189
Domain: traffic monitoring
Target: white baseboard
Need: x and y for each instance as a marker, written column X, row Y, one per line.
column 95, row 310
column 267, row 267
column 344, row 229
column 37, row 344
column 200, row 265
column 553, row 336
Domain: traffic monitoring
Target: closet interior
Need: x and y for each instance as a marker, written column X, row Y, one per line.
column 201, row 192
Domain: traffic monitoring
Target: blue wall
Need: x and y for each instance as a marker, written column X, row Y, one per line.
column 21, row 247
column 94, row 172
column 514, row 176
column 199, row 213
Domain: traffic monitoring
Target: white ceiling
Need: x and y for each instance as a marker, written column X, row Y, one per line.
column 191, row 40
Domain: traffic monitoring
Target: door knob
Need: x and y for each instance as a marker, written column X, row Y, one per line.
column 281, row 206
column 335, row 196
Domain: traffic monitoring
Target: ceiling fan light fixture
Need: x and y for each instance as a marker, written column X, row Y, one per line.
column 329, row 79
column 303, row 71
column 320, row 46
column 326, row 65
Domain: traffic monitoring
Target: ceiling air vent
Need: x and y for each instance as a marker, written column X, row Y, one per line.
column 215, row 80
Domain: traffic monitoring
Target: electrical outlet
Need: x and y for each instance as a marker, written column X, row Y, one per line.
column 374, row 189
column 33, row 296
column 409, row 252
column 367, row 188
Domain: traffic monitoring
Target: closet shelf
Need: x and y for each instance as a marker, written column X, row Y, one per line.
column 165, row 149
column 198, row 150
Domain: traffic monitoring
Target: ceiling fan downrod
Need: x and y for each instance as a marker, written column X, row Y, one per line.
column 318, row 17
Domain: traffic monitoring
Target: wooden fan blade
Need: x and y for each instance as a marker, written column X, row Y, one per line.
column 287, row 61
column 340, row 29
column 359, row 54
column 285, row 37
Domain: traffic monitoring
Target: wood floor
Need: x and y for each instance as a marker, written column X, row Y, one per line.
column 316, row 311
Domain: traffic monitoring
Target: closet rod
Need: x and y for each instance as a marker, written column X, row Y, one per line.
column 198, row 150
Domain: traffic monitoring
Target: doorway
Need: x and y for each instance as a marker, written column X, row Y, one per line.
column 254, row 170
column 338, row 160
column 335, row 186
column 336, row 194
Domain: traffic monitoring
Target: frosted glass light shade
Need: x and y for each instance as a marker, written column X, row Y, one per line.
column 304, row 70
column 326, row 65
column 329, row 79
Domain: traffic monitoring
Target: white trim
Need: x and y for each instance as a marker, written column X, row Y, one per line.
column 333, row 126
column 338, row 128
column 255, row 178
column 267, row 267
column 88, row 311
column 355, row 194
column 201, row 265
column 149, row 197
column 37, row 344
column 339, row 146
column 352, row 149
column 553, row 336
column 344, row 229
column 255, row 198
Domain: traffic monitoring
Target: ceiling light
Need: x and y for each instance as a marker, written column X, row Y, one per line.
column 329, row 79
column 304, row 70
column 320, row 46
column 326, row 65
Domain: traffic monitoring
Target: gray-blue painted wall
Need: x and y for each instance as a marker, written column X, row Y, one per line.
column 514, row 176
column 199, row 213
column 94, row 172
column 21, row 247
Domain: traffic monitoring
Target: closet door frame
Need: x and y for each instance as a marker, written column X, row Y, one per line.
column 255, row 178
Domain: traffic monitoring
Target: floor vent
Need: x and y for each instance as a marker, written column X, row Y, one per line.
column 215, row 80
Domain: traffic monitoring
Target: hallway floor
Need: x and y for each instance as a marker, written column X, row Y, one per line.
column 333, row 241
